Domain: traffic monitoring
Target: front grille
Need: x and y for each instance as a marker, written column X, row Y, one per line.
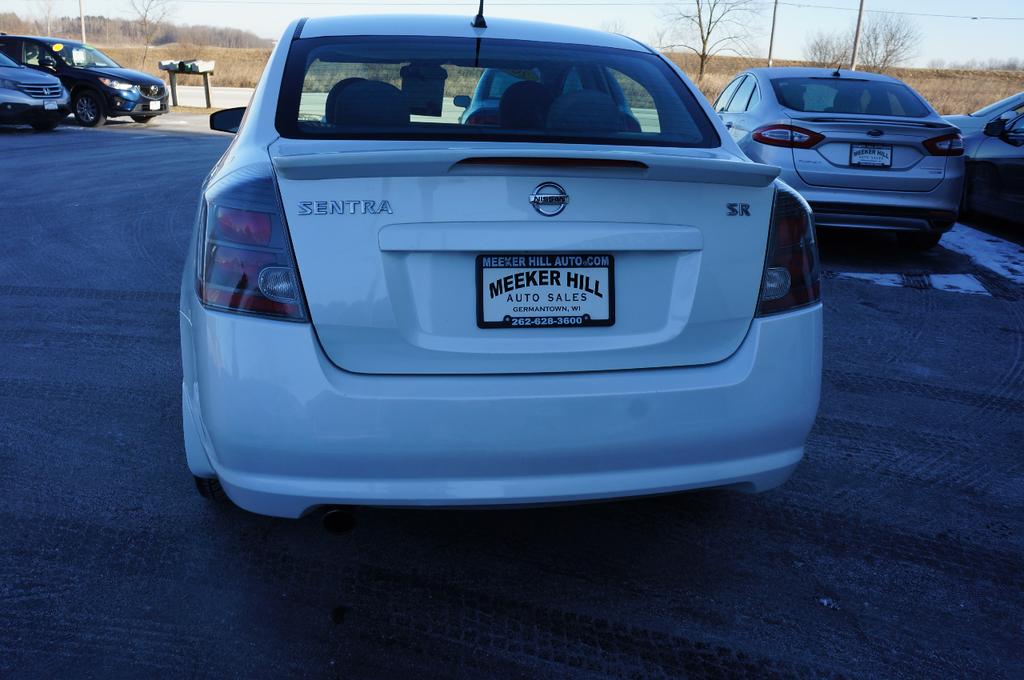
column 41, row 91
column 152, row 91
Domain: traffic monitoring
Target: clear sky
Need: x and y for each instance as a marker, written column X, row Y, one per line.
column 945, row 37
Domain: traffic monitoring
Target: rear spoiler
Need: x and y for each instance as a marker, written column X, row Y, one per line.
column 643, row 164
column 885, row 120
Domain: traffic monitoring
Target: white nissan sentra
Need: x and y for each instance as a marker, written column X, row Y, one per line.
column 580, row 290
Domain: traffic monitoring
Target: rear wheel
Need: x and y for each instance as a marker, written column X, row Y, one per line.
column 143, row 119
column 919, row 240
column 45, row 125
column 210, row 489
column 88, row 108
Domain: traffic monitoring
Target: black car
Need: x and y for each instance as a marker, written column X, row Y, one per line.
column 995, row 172
column 100, row 88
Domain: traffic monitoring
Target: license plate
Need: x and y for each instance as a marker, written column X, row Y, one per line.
column 154, row 106
column 871, row 155
column 50, row 106
column 545, row 290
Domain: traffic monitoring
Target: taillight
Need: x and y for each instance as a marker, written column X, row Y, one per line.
column 946, row 145
column 244, row 261
column 789, row 136
column 791, row 275
column 483, row 117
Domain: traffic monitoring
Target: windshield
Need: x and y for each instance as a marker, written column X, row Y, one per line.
column 999, row 106
column 7, row 63
column 849, row 95
column 405, row 88
column 82, row 56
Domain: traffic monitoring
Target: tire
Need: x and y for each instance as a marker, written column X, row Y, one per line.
column 210, row 489
column 45, row 125
column 143, row 119
column 88, row 108
column 919, row 240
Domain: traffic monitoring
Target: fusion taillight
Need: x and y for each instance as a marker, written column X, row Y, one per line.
column 791, row 272
column 946, row 145
column 789, row 136
column 245, row 262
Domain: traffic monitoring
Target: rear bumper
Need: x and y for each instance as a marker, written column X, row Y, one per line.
column 892, row 218
column 932, row 211
column 285, row 431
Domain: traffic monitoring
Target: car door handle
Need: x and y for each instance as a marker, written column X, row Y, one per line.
column 728, row 126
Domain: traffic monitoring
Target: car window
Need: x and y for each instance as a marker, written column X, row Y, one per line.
column 500, row 81
column 11, row 49
column 83, row 56
column 403, row 88
column 755, row 96
column 995, row 107
column 723, row 99
column 848, row 95
column 5, row 60
column 742, row 96
column 31, row 51
column 637, row 101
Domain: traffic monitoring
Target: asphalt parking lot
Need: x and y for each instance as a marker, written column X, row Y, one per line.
column 897, row 550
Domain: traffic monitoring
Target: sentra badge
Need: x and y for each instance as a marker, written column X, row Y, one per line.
column 362, row 207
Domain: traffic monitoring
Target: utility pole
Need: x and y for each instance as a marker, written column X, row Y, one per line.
column 856, row 37
column 771, row 40
column 81, row 16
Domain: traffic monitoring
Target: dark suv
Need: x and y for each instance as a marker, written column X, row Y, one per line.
column 100, row 88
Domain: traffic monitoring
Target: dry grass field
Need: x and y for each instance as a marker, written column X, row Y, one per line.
column 949, row 91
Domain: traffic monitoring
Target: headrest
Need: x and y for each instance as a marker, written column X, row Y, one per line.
column 525, row 105
column 370, row 103
column 585, row 110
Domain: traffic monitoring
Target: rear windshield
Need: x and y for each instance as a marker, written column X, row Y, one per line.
column 848, row 95
column 410, row 87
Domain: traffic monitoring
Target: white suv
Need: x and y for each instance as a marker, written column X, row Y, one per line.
column 592, row 294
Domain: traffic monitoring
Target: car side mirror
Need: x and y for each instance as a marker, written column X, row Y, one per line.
column 227, row 120
column 995, row 128
column 462, row 101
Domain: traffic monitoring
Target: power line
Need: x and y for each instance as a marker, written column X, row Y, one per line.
column 590, row 3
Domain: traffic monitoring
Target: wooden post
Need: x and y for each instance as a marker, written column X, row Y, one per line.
column 206, row 87
column 856, row 37
column 174, row 88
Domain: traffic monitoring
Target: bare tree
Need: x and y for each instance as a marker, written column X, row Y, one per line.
column 710, row 27
column 830, row 50
column 614, row 26
column 888, row 40
column 47, row 10
column 149, row 15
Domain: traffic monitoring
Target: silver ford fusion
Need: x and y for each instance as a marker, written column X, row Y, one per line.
column 590, row 294
column 865, row 150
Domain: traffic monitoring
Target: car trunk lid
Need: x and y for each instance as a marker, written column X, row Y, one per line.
column 880, row 153
column 390, row 244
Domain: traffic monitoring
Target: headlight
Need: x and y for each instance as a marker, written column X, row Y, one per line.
column 117, row 84
column 7, row 85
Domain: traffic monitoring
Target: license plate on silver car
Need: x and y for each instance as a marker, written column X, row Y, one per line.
column 871, row 155
column 50, row 106
column 545, row 290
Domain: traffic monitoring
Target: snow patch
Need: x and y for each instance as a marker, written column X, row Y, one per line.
column 892, row 280
column 991, row 252
column 958, row 283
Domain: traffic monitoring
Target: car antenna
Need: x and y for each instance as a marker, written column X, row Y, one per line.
column 836, row 73
column 480, row 22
